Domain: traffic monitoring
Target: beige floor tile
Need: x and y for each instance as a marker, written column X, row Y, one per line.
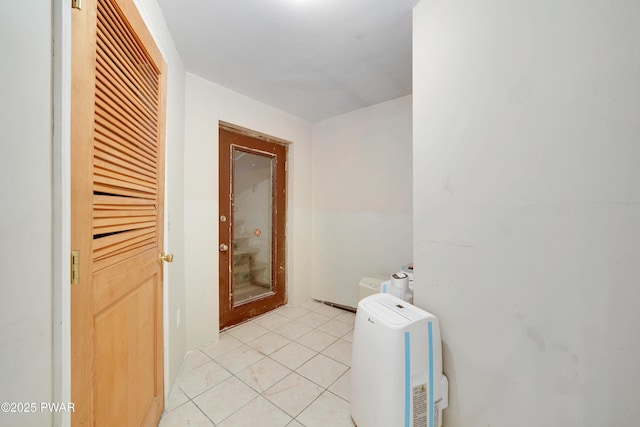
column 342, row 387
column 269, row 343
column 193, row 359
column 293, row 394
column 348, row 336
column 327, row 410
column 293, row 355
column 187, row 415
column 225, row 344
column 258, row 412
column 335, row 327
column 312, row 319
column 176, row 398
column 250, row 378
column 340, row 351
column 263, row 374
column 347, row 317
column 197, row 380
column 247, row 332
column 224, row 399
column 271, row 321
column 239, row 359
column 322, row 370
column 292, row 312
column 293, row 330
column 316, row 340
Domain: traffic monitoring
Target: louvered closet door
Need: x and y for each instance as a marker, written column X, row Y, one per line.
column 117, row 209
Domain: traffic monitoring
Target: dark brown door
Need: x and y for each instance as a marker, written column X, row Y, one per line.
column 252, row 225
column 117, row 188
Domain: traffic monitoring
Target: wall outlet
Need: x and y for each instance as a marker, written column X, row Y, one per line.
column 178, row 315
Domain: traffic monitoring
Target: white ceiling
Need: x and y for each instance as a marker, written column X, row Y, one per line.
column 312, row 58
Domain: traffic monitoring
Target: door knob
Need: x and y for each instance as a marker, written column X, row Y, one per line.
column 224, row 247
column 166, row 257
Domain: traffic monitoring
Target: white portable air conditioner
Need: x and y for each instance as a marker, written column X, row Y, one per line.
column 396, row 365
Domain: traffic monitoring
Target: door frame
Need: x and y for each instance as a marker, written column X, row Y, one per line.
column 61, row 212
column 280, row 263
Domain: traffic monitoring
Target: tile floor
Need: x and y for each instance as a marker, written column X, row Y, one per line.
column 289, row 367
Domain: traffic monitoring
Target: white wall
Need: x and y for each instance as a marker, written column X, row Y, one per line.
column 174, row 277
column 206, row 104
column 26, row 216
column 527, row 207
column 362, row 198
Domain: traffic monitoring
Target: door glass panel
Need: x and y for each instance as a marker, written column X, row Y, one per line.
column 252, row 215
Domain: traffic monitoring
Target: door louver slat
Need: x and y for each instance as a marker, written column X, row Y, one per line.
column 122, row 170
column 134, row 63
column 131, row 44
column 125, row 181
column 118, row 87
column 119, row 203
column 110, row 177
column 110, row 119
column 129, row 123
column 112, row 143
column 144, row 236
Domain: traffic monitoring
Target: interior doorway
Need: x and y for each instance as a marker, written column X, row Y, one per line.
column 117, row 211
column 252, row 207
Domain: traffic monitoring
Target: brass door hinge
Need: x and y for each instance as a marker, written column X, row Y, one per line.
column 76, row 4
column 75, row 267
